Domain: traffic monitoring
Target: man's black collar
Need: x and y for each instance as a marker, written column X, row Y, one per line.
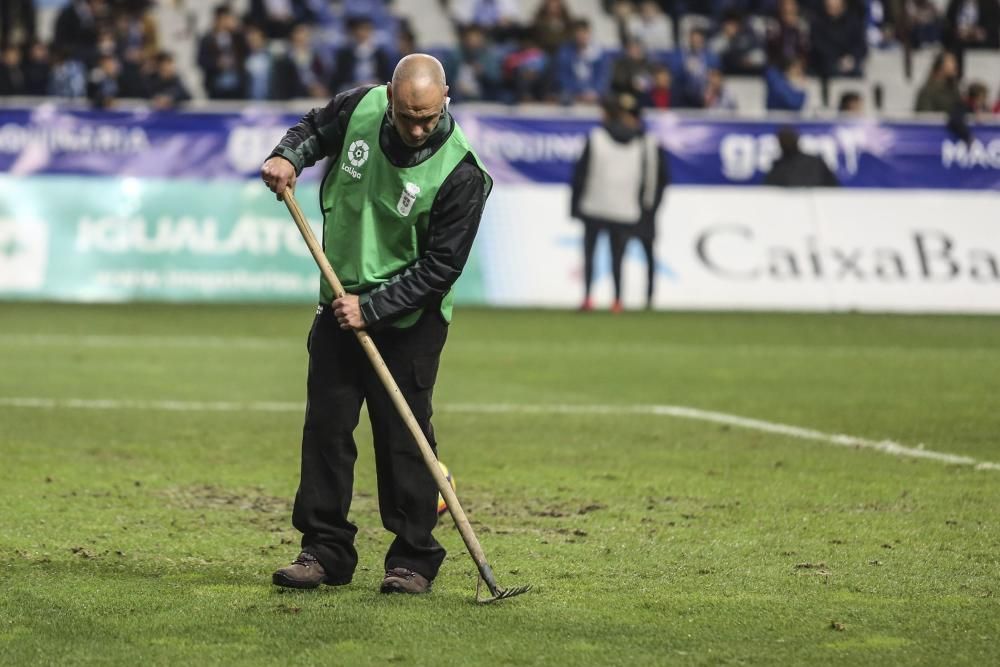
column 400, row 154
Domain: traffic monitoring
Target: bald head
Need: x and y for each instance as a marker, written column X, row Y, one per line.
column 417, row 97
column 419, row 69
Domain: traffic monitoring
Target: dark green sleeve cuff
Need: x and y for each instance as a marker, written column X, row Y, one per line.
column 368, row 312
column 290, row 155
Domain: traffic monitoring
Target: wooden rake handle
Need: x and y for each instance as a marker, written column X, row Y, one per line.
column 457, row 513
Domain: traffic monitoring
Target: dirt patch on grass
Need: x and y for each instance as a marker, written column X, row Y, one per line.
column 819, row 569
column 209, row 496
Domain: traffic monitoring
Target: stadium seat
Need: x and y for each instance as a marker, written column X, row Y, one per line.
column 603, row 26
column 814, row 96
column 885, row 70
column 837, row 87
column 749, row 91
column 429, row 22
column 982, row 66
column 921, row 62
column 688, row 23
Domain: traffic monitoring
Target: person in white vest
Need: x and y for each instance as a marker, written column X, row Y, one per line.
column 617, row 187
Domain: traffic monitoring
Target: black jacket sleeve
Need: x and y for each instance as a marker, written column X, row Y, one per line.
column 579, row 181
column 662, row 179
column 454, row 221
column 321, row 132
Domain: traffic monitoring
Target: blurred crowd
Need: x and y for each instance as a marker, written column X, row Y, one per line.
column 101, row 49
column 672, row 53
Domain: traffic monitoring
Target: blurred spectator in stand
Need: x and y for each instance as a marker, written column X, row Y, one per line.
column 786, row 87
column 940, row 90
column 106, row 45
column 972, row 24
column 102, row 88
column 879, row 19
column 221, row 56
column 165, row 86
column 260, row 66
column 133, row 82
column 11, row 75
column 406, row 40
column 277, row 18
column 648, row 24
column 632, row 72
column 551, row 25
column 579, row 67
column 996, row 105
column 37, row 69
column 924, row 22
column 307, row 72
column 659, row 94
column 691, row 69
column 709, row 8
column 495, row 16
column 850, row 104
column 361, row 61
column 623, row 13
column 838, row 41
column 69, row 77
column 788, row 37
column 795, row 169
column 716, row 95
column 476, row 67
column 17, row 22
column 977, row 101
column 526, row 70
column 76, row 27
column 135, row 28
column 738, row 47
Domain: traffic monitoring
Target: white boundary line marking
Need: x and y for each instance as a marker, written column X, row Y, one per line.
column 677, row 411
column 143, row 341
column 183, row 341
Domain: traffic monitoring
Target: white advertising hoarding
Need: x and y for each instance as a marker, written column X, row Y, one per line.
column 760, row 248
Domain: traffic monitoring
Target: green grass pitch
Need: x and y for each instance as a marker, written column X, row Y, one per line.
column 143, row 530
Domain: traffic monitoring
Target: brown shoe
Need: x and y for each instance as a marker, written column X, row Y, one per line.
column 401, row 580
column 305, row 572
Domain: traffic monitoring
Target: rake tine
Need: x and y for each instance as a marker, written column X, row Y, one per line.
column 499, row 593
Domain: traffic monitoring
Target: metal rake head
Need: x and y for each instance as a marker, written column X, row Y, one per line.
column 498, row 593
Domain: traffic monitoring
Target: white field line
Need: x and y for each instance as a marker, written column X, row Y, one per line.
column 677, row 411
column 143, row 341
column 181, row 341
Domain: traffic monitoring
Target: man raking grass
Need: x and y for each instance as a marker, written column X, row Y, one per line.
column 402, row 203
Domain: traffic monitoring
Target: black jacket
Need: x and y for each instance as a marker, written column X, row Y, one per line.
column 833, row 38
column 344, row 62
column 801, row 170
column 454, row 218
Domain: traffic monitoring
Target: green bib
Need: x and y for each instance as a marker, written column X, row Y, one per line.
column 376, row 215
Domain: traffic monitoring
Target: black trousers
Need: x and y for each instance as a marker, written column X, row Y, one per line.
column 340, row 379
column 619, row 239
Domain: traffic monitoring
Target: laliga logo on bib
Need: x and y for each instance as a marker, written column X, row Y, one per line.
column 406, row 198
column 357, row 153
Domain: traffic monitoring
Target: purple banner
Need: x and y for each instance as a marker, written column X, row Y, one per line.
column 515, row 147
column 866, row 154
column 140, row 144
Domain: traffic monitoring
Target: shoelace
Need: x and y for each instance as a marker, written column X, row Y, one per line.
column 304, row 559
column 400, row 573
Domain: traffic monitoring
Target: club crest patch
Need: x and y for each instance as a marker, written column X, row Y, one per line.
column 406, row 198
